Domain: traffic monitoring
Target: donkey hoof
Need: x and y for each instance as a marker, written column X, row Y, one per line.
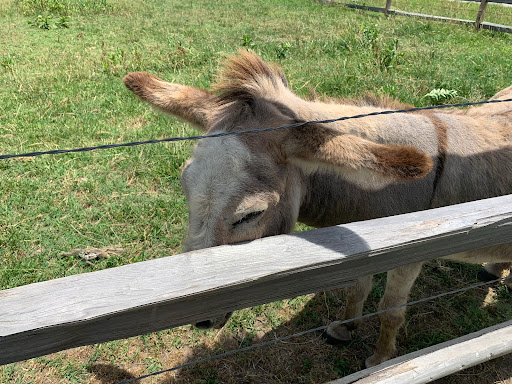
column 337, row 335
column 333, row 341
column 484, row 275
column 206, row 324
column 374, row 360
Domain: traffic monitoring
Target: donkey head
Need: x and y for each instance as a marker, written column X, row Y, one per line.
column 244, row 187
column 238, row 187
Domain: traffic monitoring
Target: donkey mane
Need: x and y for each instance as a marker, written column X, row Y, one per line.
column 377, row 101
column 246, row 76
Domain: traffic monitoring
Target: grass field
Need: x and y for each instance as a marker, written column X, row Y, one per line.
column 61, row 65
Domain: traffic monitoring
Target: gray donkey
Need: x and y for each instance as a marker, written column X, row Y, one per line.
column 250, row 186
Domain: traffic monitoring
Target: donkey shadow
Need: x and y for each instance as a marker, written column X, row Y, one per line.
column 308, row 358
column 289, row 361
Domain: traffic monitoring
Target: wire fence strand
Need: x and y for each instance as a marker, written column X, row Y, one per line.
column 222, row 134
column 317, row 329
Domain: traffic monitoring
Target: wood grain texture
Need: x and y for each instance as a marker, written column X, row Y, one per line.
column 116, row 303
column 439, row 360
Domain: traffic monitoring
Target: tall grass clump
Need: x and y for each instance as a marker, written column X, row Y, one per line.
column 61, row 7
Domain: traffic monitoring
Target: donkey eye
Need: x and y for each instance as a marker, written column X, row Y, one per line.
column 248, row 217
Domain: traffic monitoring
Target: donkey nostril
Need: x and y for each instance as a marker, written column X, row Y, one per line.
column 207, row 324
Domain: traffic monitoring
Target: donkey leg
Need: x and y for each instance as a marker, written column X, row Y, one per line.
column 496, row 271
column 355, row 297
column 497, row 261
column 398, row 285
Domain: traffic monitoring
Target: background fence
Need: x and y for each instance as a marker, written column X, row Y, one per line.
column 478, row 21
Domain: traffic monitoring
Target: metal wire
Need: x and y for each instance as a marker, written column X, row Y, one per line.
column 321, row 328
column 221, row 134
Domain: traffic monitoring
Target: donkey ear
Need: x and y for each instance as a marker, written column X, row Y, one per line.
column 367, row 164
column 191, row 104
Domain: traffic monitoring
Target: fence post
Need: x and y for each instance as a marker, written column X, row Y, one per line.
column 388, row 5
column 480, row 14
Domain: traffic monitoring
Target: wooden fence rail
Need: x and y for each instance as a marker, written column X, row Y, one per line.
column 116, row 303
column 438, row 360
column 479, row 22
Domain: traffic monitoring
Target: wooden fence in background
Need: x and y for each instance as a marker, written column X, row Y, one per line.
column 479, row 22
column 50, row 316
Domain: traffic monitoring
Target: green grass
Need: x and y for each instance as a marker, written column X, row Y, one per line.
column 61, row 88
column 61, row 7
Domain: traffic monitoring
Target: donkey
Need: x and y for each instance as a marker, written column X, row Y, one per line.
column 244, row 187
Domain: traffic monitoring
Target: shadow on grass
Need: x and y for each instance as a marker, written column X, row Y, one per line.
column 307, row 359
column 110, row 374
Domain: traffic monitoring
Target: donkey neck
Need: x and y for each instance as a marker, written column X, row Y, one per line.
column 330, row 200
column 403, row 128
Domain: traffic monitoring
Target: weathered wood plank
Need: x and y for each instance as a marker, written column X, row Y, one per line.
column 116, row 303
column 484, row 25
column 506, row 2
column 439, row 360
column 496, row 27
column 432, row 17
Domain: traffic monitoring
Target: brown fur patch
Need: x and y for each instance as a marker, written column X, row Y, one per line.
column 326, row 146
column 140, row 83
column 404, row 162
column 192, row 104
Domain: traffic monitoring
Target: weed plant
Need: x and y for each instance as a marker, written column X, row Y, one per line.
column 48, row 22
column 440, row 96
column 61, row 7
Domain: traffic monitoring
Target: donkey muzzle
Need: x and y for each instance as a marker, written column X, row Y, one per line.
column 216, row 323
